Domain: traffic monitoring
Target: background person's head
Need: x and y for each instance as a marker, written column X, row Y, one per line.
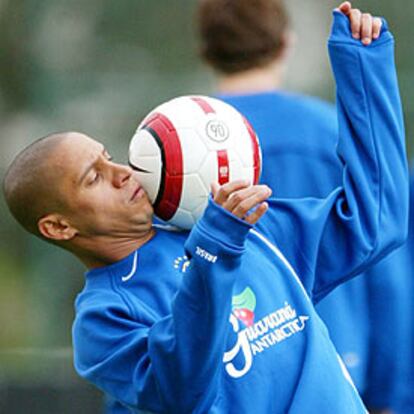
column 65, row 189
column 241, row 35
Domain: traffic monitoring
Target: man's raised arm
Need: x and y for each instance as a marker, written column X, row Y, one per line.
column 329, row 241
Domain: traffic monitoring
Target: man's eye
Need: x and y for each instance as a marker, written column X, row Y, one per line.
column 95, row 178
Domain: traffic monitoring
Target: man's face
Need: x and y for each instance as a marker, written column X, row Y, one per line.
column 100, row 196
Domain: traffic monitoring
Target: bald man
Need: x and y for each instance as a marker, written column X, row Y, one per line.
column 221, row 319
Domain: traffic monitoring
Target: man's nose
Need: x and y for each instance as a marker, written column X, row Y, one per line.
column 121, row 175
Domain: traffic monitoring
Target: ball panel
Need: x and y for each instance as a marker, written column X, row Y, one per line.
column 145, row 158
column 237, row 169
column 194, row 193
column 223, row 166
column 193, row 149
column 183, row 111
column 203, row 103
column 142, row 144
column 198, row 212
column 150, row 180
column 257, row 156
column 209, row 170
column 169, row 194
column 183, row 219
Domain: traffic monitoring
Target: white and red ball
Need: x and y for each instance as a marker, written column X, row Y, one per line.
column 184, row 145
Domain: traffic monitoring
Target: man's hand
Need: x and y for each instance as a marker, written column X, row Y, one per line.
column 239, row 197
column 363, row 25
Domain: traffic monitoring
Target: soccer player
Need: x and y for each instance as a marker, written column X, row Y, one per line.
column 246, row 44
column 220, row 319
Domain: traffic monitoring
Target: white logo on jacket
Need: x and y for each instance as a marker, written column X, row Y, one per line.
column 269, row 331
column 181, row 263
column 204, row 254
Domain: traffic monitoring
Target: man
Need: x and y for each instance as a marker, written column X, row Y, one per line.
column 152, row 323
column 404, row 260
column 246, row 44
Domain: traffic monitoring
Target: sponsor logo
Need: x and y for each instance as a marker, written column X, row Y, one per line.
column 181, row 263
column 204, row 254
column 127, row 277
column 253, row 338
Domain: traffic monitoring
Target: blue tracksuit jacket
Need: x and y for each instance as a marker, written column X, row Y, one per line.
column 221, row 319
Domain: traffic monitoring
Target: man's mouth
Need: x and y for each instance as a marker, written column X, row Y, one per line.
column 138, row 193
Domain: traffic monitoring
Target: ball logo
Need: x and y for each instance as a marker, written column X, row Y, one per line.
column 224, row 171
column 217, row 130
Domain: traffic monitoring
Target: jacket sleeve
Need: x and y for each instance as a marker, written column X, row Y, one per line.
column 392, row 325
column 329, row 241
column 173, row 365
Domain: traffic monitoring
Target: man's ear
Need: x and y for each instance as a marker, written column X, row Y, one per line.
column 288, row 45
column 55, row 227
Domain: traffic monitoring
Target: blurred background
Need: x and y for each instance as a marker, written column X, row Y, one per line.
column 99, row 66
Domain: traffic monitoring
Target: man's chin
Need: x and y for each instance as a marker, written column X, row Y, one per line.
column 145, row 222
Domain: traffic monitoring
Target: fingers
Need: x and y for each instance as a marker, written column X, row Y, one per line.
column 245, row 201
column 355, row 20
column 366, row 28
column 345, row 7
column 221, row 194
column 240, row 202
column 254, row 217
column 214, row 189
column 363, row 25
column 376, row 27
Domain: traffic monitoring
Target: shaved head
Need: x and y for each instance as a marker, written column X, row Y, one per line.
column 66, row 189
column 31, row 182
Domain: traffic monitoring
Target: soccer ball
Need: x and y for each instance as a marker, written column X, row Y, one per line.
column 184, row 145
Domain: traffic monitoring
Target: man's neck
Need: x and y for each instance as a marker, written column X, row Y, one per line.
column 252, row 81
column 105, row 250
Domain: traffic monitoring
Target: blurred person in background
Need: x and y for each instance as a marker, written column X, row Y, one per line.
column 246, row 43
column 402, row 261
column 137, row 330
